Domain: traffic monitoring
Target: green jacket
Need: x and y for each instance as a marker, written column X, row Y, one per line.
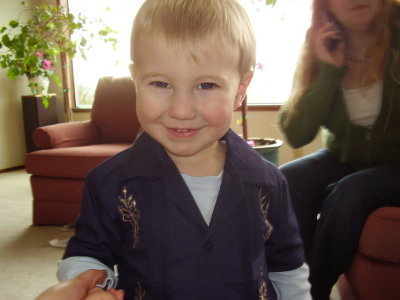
column 323, row 106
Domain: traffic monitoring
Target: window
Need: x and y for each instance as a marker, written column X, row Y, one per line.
column 279, row 30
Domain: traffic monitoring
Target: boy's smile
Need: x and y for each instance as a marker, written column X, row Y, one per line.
column 186, row 98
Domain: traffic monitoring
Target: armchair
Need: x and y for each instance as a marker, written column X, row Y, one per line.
column 375, row 270
column 70, row 150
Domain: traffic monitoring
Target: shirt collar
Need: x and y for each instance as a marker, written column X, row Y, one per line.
column 147, row 158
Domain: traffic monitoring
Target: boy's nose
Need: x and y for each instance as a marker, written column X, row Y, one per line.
column 182, row 105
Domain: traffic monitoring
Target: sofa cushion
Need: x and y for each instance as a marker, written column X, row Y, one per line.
column 114, row 110
column 372, row 279
column 71, row 162
column 380, row 238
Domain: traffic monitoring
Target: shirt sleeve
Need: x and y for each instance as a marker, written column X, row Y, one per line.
column 73, row 266
column 291, row 284
column 301, row 122
column 284, row 247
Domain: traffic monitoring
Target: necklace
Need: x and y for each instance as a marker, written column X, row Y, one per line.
column 354, row 59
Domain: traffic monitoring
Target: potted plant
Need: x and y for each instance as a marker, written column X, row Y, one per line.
column 266, row 147
column 33, row 47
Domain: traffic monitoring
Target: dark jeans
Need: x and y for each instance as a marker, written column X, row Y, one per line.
column 344, row 197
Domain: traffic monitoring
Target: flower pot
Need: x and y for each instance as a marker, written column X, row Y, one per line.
column 39, row 85
column 267, row 148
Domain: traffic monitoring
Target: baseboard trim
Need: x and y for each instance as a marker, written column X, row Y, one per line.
column 11, row 169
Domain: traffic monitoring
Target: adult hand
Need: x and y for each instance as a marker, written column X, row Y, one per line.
column 99, row 294
column 334, row 56
column 76, row 288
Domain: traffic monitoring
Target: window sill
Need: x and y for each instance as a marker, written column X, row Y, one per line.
column 262, row 107
column 81, row 109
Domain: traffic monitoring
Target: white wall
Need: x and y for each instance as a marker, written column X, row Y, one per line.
column 12, row 141
column 263, row 124
column 12, row 136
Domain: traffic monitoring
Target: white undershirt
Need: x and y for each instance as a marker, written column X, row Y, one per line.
column 205, row 192
column 364, row 104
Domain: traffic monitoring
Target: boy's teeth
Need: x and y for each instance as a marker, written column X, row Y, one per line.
column 182, row 130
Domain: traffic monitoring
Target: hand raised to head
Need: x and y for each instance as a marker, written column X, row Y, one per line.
column 334, row 56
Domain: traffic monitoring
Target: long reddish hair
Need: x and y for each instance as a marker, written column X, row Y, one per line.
column 308, row 66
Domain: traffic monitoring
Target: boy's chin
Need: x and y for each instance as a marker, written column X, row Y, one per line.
column 183, row 152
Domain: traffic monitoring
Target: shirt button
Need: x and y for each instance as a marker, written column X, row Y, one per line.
column 207, row 247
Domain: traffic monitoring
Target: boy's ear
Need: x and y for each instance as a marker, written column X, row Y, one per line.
column 242, row 89
column 132, row 70
column 133, row 74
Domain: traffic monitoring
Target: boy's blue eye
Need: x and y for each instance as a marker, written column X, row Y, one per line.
column 160, row 84
column 206, row 85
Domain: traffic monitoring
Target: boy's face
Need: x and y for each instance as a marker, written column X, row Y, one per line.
column 185, row 102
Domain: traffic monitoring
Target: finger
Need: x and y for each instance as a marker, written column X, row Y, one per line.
column 328, row 32
column 118, row 294
column 95, row 290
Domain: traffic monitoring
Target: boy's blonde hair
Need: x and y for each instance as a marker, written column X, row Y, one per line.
column 188, row 23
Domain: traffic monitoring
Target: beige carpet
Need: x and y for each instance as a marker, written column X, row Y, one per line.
column 27, row 261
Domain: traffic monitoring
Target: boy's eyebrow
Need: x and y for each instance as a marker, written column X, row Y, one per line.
column 152, row 74
column 205, row 77
column 210, row 77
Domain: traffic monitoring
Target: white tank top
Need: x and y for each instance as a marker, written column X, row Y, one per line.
column 364, row 104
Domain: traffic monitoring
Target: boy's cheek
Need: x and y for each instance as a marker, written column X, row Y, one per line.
column 149, row 110
column 219, row 116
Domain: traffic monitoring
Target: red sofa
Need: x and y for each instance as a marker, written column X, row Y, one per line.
column 70, row 150
column 375, row 270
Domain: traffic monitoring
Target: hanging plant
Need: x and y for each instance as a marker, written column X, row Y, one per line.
column 33, row 47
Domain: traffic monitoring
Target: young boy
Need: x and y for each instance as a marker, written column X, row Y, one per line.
column 190, row 211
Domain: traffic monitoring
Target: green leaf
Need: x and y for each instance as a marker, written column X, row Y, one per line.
column 57, row 80
column 13, row 23
column 50, row 26
column 6, row 40
column 82, row 52
column 20, row 53
column 11, row 73
column 103, row 32
column 45, row 101
column 270, row 2
column 4, row 28
column 32, row 41
column 83, row 42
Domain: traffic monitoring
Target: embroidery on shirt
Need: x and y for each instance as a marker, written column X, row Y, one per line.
column 262, row 291
column 140, row 292
column 130, row 213
column 264, row 204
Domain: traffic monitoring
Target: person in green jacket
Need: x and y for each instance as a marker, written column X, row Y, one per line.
column 348, row 82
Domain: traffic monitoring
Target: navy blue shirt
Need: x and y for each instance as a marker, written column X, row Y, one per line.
column 138, row 214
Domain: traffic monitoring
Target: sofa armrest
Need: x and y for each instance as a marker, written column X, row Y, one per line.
column 73, row 134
